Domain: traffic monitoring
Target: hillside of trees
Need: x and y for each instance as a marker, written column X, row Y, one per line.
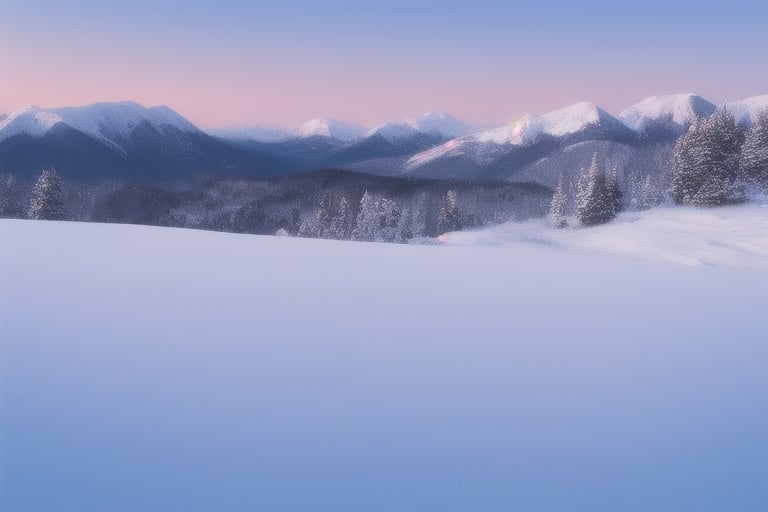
column 715, row 163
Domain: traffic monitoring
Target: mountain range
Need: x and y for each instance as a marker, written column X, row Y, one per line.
column 121, row 141
column 127, row 141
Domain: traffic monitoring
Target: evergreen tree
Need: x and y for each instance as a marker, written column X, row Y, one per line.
column 706, row 162
column 558, row 217
column 688, row 175
column 388, row 220
column 596, row 202
column 754, row 153
column 419, row 215
column 46, row 201
column 634, row 184
column 323, row 216
column 648, row 195
column 613, row 192
column 448, row 219
column 584, row 183
column 340, row 221
column 295, row 221
column 406, row 226
column 10, row 205
column 378, row 220
column 365, row 223
column 643, row 192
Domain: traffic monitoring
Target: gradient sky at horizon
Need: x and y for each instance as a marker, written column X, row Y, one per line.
column 236, row 62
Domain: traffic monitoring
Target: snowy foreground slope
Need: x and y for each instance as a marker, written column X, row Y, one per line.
column 727, row 236
column 159, row 369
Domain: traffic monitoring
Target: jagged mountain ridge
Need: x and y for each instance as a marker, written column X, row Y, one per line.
column 127, row 140
column 121, row 141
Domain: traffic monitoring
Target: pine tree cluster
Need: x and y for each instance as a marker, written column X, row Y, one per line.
column 376, row 219
column 644, row 192
column 449, row 219
column 598, row 195
column 754, row 154
column 558, row 214
column 47, row 203
column 706, row 162
column 10, row 205
column 379, row 220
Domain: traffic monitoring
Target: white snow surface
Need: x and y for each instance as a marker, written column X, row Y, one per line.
column 734, row 236
column 277, row 373
column 680, row 107
column 332, row 128
column 746, row 110
column 108, row 122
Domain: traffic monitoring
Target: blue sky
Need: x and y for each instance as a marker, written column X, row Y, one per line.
column 486, row 61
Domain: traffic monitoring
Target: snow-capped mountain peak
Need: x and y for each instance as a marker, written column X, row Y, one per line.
column 679, row 109
column 520, row 131
column 746, row 110
column 486, row 146
column 571, row 119
column 115, row 121
column 438, row 123
column 393, row 132
column 30, row 120
column 331, row 128
column 108, row 122
column 528, row 128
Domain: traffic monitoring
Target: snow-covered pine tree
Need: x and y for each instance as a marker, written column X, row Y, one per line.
column 754, row 154
column 449, row 219
column 365, row 223
column 613, row 192
column 728, row 137
column 688, row 174
column 706, row 161
column 295, row 226
column 419, row 214
column 323, row 216
column 389, row 220
column 558, row 216
column 10, row 205
column 634, row 186
column 340, row 222
column 584, row 182
column 47, row 203
column 596, row 203
column 648, row 196
column 406, row 226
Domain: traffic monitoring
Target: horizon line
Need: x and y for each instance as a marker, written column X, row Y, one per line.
column 402, row 119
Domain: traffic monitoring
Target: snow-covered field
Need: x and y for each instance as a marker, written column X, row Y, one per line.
column 161, row 369
column 727, row 236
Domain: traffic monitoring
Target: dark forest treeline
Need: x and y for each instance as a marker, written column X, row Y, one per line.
column 324, row 204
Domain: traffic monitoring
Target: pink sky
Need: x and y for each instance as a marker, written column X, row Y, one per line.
column 261, row 64
column 290, row 100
